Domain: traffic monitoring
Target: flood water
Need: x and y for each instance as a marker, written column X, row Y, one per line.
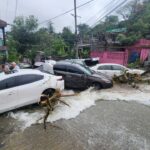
column 111, row 119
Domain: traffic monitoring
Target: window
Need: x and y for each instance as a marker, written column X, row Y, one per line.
column 86, row 70
column 116, row 67
column 105, row 67
column 19, row 80
column 73, row 69
column 2, row 84
column 27, row 79
column 60, row 68
column 7, row 83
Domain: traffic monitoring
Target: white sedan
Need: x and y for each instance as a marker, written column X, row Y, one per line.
column 25, row 87
column 111, row 69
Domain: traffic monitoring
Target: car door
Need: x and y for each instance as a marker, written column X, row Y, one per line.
column 30, row 88
column 75, row 77
column 106, row 69
column 8, row 94
column 60, row 70
column 118, row 70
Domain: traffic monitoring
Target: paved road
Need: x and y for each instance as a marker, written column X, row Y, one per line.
column 110, row 125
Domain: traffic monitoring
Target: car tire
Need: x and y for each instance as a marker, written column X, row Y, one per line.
column 97, row 86
column 49, row 92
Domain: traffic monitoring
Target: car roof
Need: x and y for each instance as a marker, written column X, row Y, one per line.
column 67, row 62
column 106, row 64
column 21, row 72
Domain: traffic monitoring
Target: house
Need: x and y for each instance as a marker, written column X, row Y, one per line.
column 140, row 50
column 3, row 48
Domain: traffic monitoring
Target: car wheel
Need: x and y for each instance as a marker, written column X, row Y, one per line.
column 97, row 86
column 49, row 92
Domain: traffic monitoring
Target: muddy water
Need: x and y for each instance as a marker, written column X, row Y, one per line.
column 87, row 125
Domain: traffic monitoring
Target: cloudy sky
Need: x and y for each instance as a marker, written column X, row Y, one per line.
column 47, row 9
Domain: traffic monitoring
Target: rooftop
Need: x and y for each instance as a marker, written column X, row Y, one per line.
column 2, row 24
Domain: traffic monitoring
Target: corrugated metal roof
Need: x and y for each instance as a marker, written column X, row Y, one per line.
column 2, row 24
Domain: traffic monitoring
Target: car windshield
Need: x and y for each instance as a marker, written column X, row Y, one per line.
column 86, row 69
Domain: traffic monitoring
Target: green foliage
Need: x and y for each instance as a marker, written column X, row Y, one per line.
column 110, row 22
column 84, row 30
column 136, row 64
column 137, row 21
column 12, row 51
column 25, row 38
column 58, row 47
column 135, row 17
column 68, row 37
column 23, row 32
column 128, row 40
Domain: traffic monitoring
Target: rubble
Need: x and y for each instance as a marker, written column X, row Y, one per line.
column 131, row 78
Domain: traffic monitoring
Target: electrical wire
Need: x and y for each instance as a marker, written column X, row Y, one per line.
column 66, row 12
column 115, row 8
column 103, row 14
column 106, row 6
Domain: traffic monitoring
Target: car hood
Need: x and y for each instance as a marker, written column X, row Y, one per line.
column 102, row 76
column 138, row 71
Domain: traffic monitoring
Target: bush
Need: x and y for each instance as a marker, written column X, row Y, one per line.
column 136, row 64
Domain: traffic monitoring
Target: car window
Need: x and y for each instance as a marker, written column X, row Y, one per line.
column 7, row 83
column 105, row 67
column 116, row 67
column 86, row 69
column 27, row 79
column 73, row 69
column 19, row 80
column 60, row 68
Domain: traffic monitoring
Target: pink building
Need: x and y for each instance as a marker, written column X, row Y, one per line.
column 142, row 47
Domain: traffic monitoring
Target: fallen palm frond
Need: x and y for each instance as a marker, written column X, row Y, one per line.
column 130, row 78
column 49, row 103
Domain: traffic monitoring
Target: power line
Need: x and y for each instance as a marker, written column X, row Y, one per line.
column 104, row 13
column 107, row 5
column 102, row 17
column 66, row 12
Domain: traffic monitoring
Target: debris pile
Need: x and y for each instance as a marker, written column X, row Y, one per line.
column 49, row 103
column 131, row 78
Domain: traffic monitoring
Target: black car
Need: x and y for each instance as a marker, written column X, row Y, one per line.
column 80, row 76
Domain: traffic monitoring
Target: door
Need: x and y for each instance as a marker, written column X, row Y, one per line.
column 75, row 77
column 8, row 94
column 106, row 69
column 30, row 88
column 118, row 70
column 60, row 70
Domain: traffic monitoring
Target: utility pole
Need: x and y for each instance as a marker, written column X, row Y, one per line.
column 76, row 38
column 16, row 7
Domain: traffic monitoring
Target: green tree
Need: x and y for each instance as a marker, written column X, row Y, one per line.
column 12, row 51
column 84, row 30
column 137, row 21
column 23, row 32
column 68, row 37
column 58, row 46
